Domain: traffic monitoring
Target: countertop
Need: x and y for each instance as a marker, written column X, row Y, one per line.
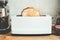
column 10, row 37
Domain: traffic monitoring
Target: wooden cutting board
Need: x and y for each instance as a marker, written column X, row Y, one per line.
column 50, row 37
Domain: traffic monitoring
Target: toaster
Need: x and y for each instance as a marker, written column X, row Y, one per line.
column 27, row 25
column 31, row 25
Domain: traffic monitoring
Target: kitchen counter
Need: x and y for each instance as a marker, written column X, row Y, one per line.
column 9, row 37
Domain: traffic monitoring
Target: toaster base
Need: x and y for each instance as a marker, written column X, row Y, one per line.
column 30, row 34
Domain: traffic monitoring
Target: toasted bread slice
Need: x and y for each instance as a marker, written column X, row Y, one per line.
column 30, row 11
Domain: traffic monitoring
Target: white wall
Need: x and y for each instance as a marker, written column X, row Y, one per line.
column 58, row 5
column 45, row 6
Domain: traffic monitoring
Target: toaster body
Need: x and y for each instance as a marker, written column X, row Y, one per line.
column 31, row 25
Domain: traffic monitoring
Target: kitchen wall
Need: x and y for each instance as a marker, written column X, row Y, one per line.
column 45, row 6
column 59, row 5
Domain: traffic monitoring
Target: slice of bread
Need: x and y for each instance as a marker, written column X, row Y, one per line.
column 30, row 11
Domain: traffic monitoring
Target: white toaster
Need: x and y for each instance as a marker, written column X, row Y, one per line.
column 31, row 25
